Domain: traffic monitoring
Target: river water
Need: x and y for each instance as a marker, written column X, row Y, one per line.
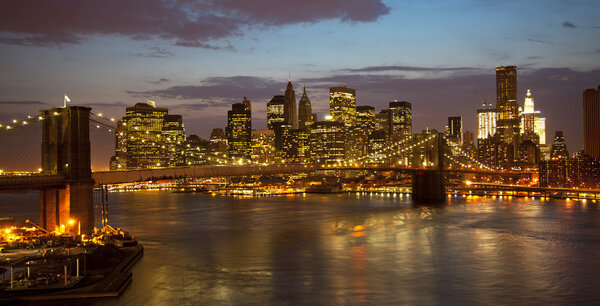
column 350, row 248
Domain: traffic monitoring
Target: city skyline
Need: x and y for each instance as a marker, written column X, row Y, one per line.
column 319, row 45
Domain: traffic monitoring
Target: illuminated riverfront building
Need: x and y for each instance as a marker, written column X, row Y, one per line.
column 173, row 139
column 486, row 122
column 454, row 129
column 263, row 146
column 289, row 110
column 239, row 132
column 327, row 141
column 196, row 150
column 295, row 146
column 305, row 116
column 400, row 120
column 507, row 122
column 377, row 142
column 591, row 122
column 365, row 118
column 342, row 105
column 275, row 112
column 533, row 127
column 119, row 160
column 382, row 121
column 144, row 132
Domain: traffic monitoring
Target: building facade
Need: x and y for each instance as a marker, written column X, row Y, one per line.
column 486, row 122
column 327, row 142
column 342, row 105
column 400, row 120
column 305, row 116
column 239, row 132
column 507, row 122
column 591, row 122
column 289, row 111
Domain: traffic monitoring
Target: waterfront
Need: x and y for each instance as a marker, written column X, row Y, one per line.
column 349, row 248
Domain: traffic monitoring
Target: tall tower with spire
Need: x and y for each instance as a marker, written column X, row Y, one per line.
column 305, row 115
column 289, row 109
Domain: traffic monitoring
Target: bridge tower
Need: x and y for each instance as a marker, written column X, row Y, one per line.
column 428, row 185
column 66, row 152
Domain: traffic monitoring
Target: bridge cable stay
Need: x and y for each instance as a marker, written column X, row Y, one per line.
column 456, row 148
column 409, row 146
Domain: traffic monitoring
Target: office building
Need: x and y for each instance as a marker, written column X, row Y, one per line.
column 295, row 146
column 365, row 118
column 289, row 110
column 382, row 121
column 507, row 122
column 305, row 116
column 454, row 129
column 196, row 151
column 400, row 120
column 486, row 122
column 327, row 142
column 218, row 141
column 559, row 147
column 342, row 105
column 591, row 122
column 533, row 126
column 263, row 146
column 144, row 130
column 239, row 133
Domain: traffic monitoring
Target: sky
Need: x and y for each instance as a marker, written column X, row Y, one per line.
column 199, row 57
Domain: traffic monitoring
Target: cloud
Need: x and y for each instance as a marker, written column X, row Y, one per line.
column 534, row 57
column 538, row 41
column 568, row 24
column 407, row 68
column 156, row 52
column 159, row 81
column 191, row 23
column 103, row 104
column 231, row 88
column 22, row 103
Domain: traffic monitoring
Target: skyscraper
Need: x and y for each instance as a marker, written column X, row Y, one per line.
column 305, row 115
column 365, row 118
column 342, row 105
column 591, row 122
column 173, row 137
column 533, row 127
column 144, row 145
column 239, row 131
column 289, row 110
column 454, row 131
column 400, row 120
column 263, row 146
column 486, row 118
column 327, row 141
column 275, row 112
column 559, row 147
column 506, row 98
column 218, row 141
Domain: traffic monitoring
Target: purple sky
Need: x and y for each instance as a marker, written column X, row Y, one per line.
column 199, row 57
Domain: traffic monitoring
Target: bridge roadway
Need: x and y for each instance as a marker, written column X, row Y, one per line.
column 130, row 176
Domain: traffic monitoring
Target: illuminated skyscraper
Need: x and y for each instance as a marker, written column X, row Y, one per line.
column 275, row 112
column 263, row 146
column 533, row 127
column 365, row 118
column 295, row 146
column 145, row 147
column 486, row 118
column 289, row 111
column 454, row 129
column 382, row 121
column 305, row 115
column 327, row 141
column 400, row 120
column 342, row 105
column 559, row 147
column 591, row 122
column 173, row 139
column 119, row 161
column 239, row 129
column 506, row 98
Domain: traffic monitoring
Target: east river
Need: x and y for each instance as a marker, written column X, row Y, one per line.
column 349, row 249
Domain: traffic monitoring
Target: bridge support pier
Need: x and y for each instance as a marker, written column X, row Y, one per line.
column 66, row 151
column 428, row 186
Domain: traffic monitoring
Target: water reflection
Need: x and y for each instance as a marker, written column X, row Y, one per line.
column 347, row 249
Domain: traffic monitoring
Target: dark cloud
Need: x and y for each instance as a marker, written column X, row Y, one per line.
column 159, row 81
column 156, row 52
column 407, row 68
column 22, row 103
column 106, row 104
column 534, row 57
column 538, row 41
column 191, row 23
column 568, row 24
column 234, row 87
